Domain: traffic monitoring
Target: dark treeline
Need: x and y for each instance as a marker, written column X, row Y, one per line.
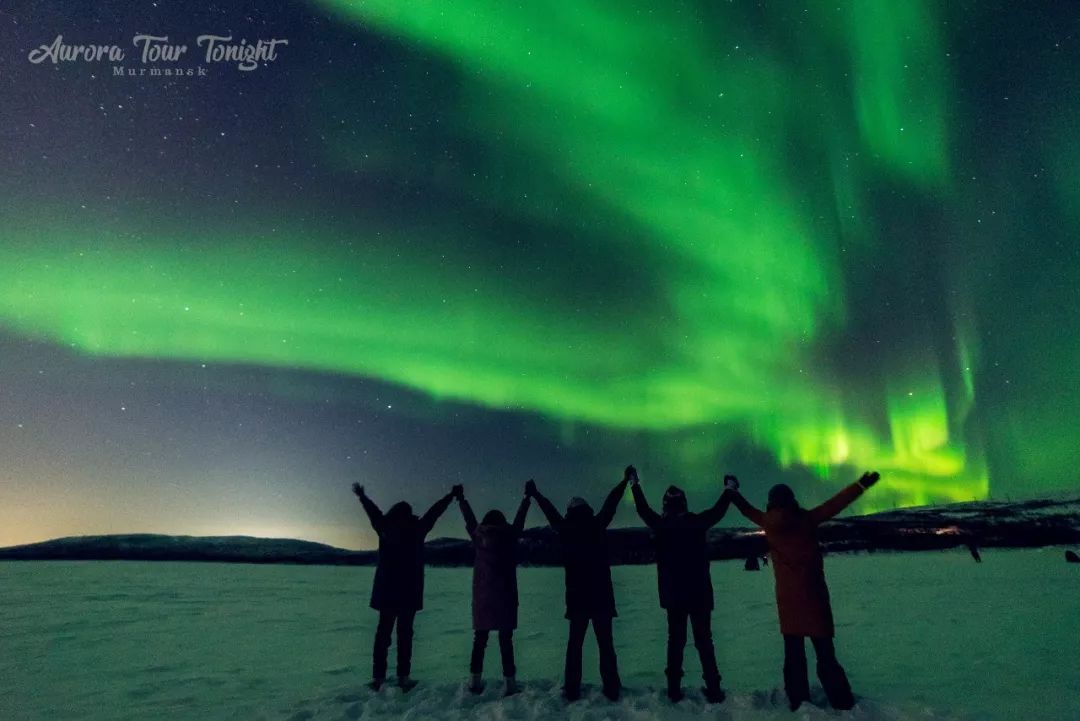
column 982, row 524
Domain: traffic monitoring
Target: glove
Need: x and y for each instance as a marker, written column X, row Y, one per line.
column 731, row 483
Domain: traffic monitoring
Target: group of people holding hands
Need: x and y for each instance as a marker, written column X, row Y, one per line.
column 684, row 582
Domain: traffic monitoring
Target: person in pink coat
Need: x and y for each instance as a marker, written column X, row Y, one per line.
column 494, row 587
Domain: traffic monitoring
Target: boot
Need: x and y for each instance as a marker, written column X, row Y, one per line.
column 612, row 692
column 476, row 683
column 376, row 683
column 511, row 686
column 674, row 687
column 713, row 692
column 405, row 683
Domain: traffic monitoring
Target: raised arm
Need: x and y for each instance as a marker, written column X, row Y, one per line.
column 711, row 516
column 554, row 518
column 752, row 514
column 427, row 521
column 651, row 517
column 843, row 499
column 375, row 516
column 468, row 515
column 611, row 503
column 519, row 517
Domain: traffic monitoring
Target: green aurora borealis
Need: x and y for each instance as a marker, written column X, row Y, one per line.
column 805, row 231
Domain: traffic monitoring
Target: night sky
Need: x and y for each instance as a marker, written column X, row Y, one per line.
column 482, row 241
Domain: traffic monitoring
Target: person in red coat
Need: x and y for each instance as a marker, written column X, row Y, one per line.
column 494, row 587
column 802, row 596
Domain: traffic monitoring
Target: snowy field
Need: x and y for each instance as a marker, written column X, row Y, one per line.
column 923, row 636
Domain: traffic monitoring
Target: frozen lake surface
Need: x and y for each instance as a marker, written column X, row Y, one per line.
column 923, row 636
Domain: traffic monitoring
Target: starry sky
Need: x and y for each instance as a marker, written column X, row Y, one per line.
column 477, row 242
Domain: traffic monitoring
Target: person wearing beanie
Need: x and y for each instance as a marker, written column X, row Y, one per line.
column 494, row 588
column 683, row 579
column 398, row 590
column 590, row 597
column 802, row 596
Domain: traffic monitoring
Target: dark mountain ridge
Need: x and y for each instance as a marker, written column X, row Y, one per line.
column 1039, row 522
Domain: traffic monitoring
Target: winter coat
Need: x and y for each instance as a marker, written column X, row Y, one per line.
column 802, row 596
column 399, row 574
column 682, row 554
column 583, row 536
column 494, row 583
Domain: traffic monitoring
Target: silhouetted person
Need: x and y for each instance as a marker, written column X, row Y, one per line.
column 974, row 551
column 590, row 597
column 802, row 596
column 684, row 580
column 398, row 591
column 494, row 587
column 752, row 564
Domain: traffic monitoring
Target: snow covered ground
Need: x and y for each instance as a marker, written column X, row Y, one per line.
column 923, row 636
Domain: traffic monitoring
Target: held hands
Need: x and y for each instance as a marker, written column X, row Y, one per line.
column 458, row 492
column 530, row 488
column 731, row 483
column 358, row 490
column 869, row 478
column 630, row 476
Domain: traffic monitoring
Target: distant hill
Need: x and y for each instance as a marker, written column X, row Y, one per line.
column 1042, row 522
column 156, row 547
